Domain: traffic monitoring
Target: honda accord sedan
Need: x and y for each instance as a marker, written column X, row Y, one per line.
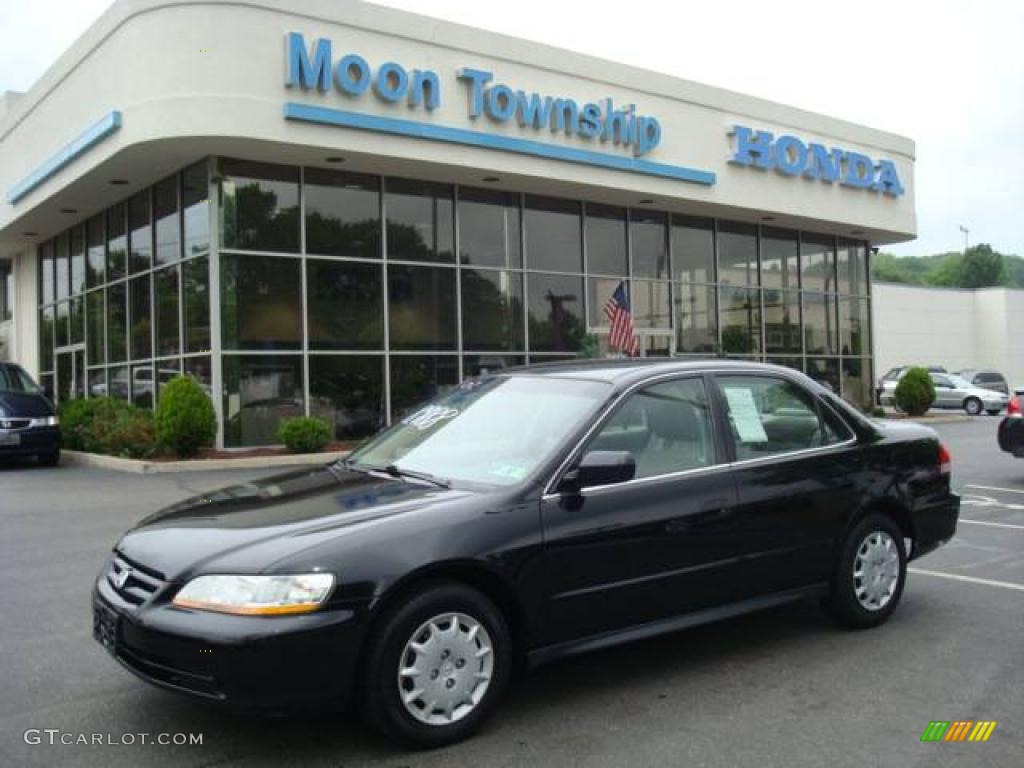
column 519, row 519
column 28, row 420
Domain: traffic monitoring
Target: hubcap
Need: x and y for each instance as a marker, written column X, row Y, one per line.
column 876, row 570
column 445, row 669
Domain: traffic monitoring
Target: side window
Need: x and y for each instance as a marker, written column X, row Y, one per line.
column 941, row 381
column 768, row 415
column 667, row 428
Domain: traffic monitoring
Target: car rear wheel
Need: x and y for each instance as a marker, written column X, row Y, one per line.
column 438, row 664
column 50, row 458
column 869, row 576
column 973, row 406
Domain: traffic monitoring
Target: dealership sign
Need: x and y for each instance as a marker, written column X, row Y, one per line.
column 789, row 156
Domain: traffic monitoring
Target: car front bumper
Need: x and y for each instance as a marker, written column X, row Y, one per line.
column 248, row 661
column 29, row 441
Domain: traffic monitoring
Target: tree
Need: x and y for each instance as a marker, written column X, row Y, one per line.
column 982, row 267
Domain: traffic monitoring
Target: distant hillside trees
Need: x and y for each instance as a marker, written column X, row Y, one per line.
column 980, row 267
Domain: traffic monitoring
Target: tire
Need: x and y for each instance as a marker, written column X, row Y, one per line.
column 858, row 602
column 50, row 458
column 994, row 411
column 973, row 406
column 426, row 615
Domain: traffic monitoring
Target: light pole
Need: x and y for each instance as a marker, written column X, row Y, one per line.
column 965, row 230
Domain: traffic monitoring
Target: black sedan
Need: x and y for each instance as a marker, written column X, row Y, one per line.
column 28, row 421
column 518, row 519
column 1011, row 428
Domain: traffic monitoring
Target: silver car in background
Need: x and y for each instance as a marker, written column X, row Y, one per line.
column 986, row 379
column 952, row 391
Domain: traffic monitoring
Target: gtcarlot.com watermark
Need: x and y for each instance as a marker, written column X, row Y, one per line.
column 55, row 736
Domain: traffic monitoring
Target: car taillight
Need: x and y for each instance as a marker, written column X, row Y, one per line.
column 1013, row 407
column 945, row 460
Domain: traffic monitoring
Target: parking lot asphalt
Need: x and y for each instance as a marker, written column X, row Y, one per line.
column 779, row 688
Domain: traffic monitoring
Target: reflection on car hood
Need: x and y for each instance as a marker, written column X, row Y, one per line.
column 270, row 518
column 24, row 405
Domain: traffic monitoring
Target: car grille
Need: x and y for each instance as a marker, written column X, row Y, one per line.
column 132, row 582
column 14, row 423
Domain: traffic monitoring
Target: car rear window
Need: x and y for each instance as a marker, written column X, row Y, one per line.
column 990, row 378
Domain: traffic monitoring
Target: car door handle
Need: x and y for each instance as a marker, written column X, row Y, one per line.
column 712, row 511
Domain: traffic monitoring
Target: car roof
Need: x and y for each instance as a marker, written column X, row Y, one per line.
column 628, row 371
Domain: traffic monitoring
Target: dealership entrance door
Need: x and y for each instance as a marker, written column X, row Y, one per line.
column 70, row 373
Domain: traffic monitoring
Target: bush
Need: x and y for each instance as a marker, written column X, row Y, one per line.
column 304, row 435
column 185, row 419
column 107, row 425
column 915, row 392
column 878, row 412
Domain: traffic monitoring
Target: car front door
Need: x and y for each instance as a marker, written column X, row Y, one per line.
column 946, row 395
column 652, row 547
column 796, row 466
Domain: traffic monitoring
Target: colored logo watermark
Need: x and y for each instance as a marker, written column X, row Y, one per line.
column 959, row 730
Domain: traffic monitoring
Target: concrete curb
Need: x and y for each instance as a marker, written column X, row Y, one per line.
column 950, row 419
column 143, row 467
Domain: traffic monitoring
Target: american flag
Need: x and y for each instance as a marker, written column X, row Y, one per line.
column 623, row 334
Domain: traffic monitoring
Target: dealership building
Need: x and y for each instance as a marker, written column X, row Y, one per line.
column 338, row 209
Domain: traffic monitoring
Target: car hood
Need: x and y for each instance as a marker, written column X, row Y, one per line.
column 24, row 405
column 248, row 527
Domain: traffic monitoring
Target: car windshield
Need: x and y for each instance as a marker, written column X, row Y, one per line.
column 494, row 431
column 13, row 379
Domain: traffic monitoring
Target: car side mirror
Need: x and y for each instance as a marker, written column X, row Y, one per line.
column 599, row 468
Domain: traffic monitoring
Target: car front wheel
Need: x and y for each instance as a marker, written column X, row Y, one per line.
column 869, row 576
column 438, row 664
column 973, row 406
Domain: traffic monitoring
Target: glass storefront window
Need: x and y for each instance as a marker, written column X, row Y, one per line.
column 481, row 365
column 421, row 307
column 599, row 291
column 820, row 331
column 780, row 265
column 853, row 267
column 96, row 259
column 62, row 336
column 140, row 233
column 61, row 264
column 348, row 392
column 166, row 221
column 824, row 371
column 195, row 206
column 117, row 323
column 97, row 382
column 141, row 318
column 46, row 289
column 120, row 382
column 342, row 213
column 261, row 302
column 46, row 319
column 259, row 206
column 489, row 228
column 856, row 383
column 199, row 368
column 165, row 289
column 142, row 386
column 781, row 321
column 737, row 254
column 853, row 324
column 117, row 242
column 96, row 337
column 818, row 262
column 260, row 391
column 796, row 363
column 346, row 305
column 166, row 371
column 693, row 249
column 195, row 304
column 648, row 237
column 77, row 320
column 415, row 378
column 419, row 216
column 741, row 320
column 77, row 246
column 651, row 302
column 556, row 318
column 604, row 227
column 492, row 310
column 696, row 319
column 553, row 239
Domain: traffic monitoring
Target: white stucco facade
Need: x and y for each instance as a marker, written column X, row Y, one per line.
column 951, row 327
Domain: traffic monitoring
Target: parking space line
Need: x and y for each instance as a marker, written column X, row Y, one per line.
column 995, row 488
column 993, row 525
column 969, row 579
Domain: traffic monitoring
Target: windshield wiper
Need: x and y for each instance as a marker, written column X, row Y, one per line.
column 396, row 471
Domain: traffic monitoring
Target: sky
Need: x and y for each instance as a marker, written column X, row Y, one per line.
column 947, row 74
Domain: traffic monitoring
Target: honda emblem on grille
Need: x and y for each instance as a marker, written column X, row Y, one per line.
column 122, row 578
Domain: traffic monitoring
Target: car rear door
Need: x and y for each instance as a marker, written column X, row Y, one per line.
column 653, row 547
column 946, row 395
column 797, row 469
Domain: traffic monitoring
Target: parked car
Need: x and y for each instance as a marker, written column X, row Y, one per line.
column 1011, row 428
column 28, row 420
column 986, row 379
column 893, row 375
column 518, row 519
column 951, row 391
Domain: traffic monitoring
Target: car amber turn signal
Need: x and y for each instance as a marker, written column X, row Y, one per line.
column 256, row 595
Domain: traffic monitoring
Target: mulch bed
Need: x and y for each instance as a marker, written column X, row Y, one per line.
column 211, row 453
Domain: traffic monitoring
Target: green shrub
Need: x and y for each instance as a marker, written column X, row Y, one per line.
column 304, row 435
column 878, row 412
column 185, row 419
column 915, row 392
column 108, row 425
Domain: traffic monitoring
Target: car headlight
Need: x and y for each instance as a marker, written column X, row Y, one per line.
column 256, row 595
column 45, row 421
